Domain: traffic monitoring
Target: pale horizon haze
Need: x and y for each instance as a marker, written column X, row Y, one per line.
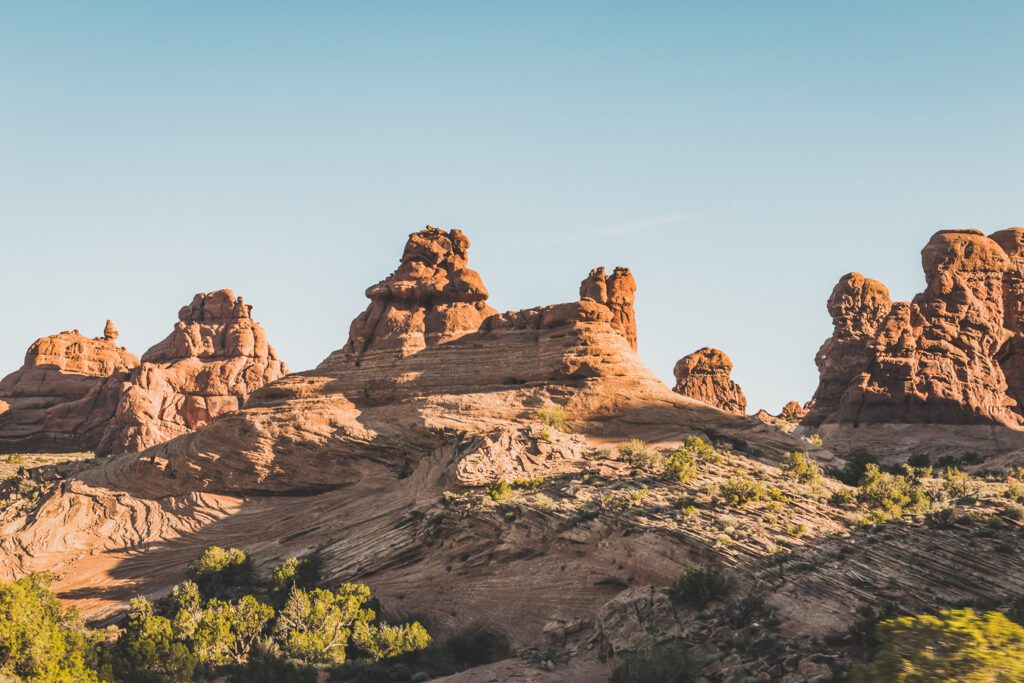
column 739, row 157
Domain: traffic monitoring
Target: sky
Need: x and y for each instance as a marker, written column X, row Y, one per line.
column 738, row 156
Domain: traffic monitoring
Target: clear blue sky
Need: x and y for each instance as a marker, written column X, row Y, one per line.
column 739, row 156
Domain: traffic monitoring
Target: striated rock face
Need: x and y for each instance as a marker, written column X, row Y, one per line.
column 214, row 359
column 704, row 375
column 935, row 360
column 63, row 396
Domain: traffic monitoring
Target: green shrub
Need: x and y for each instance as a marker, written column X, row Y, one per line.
column 951, row 646
column 958, row 484
column 663, row 664
column 1014, row 492
column 843, row 498
column 218, row 570
column 15, row 459
column 801, row 467
column 700, row 450
column 636, row 453
column 554, row 417
column 679, row 466
column 499, row 492
column 700, row 586
column 891, row 494
column 296, row 572
column 741, row 490
column 919, row 460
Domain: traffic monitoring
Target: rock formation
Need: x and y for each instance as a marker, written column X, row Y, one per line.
column 214, row 359
column 934, row 360
column 377, row 458
column 704, row 375
column 429, row 329
column 858, row 305
column 1011, row 356
column 618, row 292
column 65, row 394
column 789, row 418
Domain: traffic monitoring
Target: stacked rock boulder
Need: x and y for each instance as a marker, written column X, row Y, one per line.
column 214, row 359
column 65, row 393
column 943, row 358
column 704, row 375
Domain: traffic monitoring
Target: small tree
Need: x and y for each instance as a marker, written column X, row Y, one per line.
column 317, row 625
column 39, row 640
column 147, row 651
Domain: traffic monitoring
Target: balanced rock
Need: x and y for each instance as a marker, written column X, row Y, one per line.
column 704, row 375
column 65, row 393
column 214, row 359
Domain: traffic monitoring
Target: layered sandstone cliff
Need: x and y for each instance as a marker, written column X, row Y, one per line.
column 65, row 393
column 215, row 357
column 937, row 360
column 705, row 375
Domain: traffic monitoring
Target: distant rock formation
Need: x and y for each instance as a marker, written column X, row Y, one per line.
column 936, row 360
column 618, row 292
column 428, row 328
column 789, row 419
column 704, row 375
column 214, row 359
column 65, row 394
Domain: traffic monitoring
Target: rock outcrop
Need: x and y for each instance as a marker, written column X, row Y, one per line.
column 429, row 329
column 65, row 394
column 618, row 292
column 788, row 420
column 1011, row 356
column 704, row 375
column 934, row 360
column 214, row 359
column 858, row 305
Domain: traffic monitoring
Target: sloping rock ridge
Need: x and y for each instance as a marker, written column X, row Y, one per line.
column 65, row 393
column 937, row 360
column 705, row 375
column 215, row 357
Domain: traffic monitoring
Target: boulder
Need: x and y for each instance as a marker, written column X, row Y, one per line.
column 704, row 375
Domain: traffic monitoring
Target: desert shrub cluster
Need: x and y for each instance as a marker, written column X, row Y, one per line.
column 218, row 623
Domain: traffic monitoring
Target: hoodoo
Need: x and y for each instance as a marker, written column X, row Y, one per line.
column 705, row 375
column 215, row 357
column 65, row 393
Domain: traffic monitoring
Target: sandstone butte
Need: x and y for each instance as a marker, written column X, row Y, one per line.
column 705, row 375
column 64, row 395
column 80, row 394
column 940, row 374
column 433, row 391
